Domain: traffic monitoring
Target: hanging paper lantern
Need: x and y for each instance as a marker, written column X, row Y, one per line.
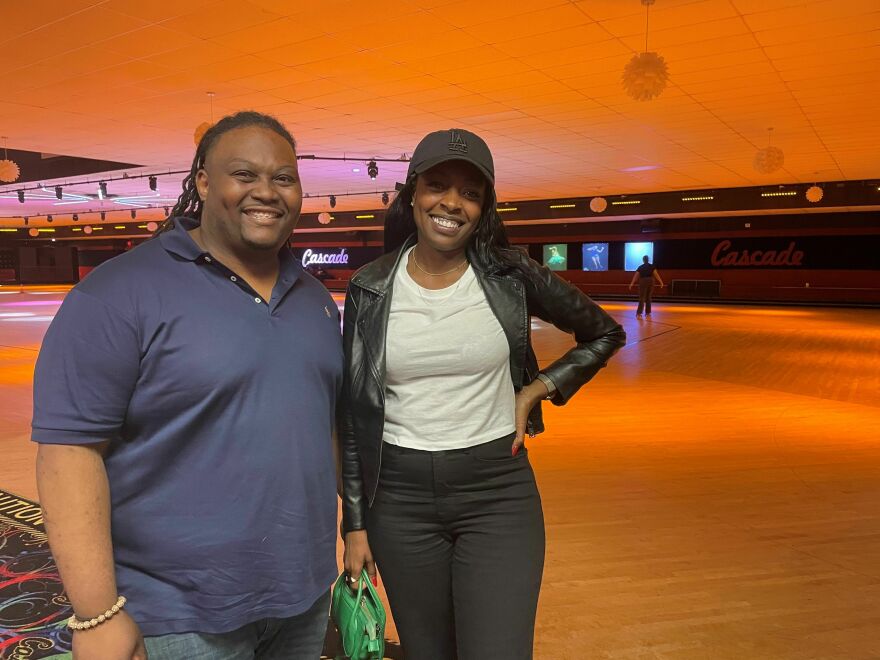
column 598, row 204
column 645, row 77
column 9, row 171
column 768, row 160
column 200, row 131
column 815, row 194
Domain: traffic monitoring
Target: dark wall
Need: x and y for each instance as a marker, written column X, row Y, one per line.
column 47, row 264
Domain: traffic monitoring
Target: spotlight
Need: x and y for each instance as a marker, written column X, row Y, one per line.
column 21, row 196
column 332, row 201
column 134, row 214
column 48, row 218
column 59, row 193
column 372, row 169
column 385, row 198
column 102, row 189
column 26, row 221
column 75, row 217
column 153, row 184
column 166, row 211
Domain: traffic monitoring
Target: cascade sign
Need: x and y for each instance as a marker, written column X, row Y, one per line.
column 325, row 258
column 723, row 256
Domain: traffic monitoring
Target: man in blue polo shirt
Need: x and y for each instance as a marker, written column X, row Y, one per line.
column 184, row 404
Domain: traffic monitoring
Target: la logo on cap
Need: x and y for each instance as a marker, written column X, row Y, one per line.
column 457, row 142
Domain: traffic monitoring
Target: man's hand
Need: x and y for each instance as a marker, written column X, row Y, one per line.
column 116, row 639
column 526, row 399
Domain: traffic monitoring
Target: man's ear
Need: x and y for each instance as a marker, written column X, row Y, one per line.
column 202, row 184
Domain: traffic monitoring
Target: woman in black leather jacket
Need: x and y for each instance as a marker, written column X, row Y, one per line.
column 441, row 387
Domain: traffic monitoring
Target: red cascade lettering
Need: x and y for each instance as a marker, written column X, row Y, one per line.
column 787, row 257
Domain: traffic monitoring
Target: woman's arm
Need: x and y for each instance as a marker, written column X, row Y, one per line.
column 598, row 336
column 357, row 554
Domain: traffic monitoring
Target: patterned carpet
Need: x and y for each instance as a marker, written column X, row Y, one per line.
column 33, row 606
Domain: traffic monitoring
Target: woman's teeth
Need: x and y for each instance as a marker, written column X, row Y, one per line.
column 443, row 222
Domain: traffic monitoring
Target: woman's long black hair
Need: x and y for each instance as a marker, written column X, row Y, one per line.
column 189, row 204
column 489, row 240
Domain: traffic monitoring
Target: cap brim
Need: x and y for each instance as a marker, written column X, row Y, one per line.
column 432, row 162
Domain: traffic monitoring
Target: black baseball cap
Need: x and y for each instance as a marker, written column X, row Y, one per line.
column 453, row 144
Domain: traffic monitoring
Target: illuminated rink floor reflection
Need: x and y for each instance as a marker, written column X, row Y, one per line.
column 712, row 494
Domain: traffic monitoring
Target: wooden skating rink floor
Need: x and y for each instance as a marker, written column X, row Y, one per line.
column 714, row 493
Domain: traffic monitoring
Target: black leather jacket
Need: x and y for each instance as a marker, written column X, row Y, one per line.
column 513, row 298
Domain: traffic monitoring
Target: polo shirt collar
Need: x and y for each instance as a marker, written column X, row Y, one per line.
column 178, row 241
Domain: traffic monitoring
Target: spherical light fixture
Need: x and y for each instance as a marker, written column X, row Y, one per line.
column 598, row 204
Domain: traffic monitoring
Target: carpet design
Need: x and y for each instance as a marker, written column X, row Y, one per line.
column 33, row 607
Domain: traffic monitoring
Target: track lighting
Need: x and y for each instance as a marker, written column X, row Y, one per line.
column 59, row 193
column 26, row 221
column 48, row 218
column 103, row 215
column 153, row 184
column 332, row 201
column 102, row 189
column 372, row 169
column 166, row 211
column 75, row 217
column 385, row 198
column 133, row 214
column 21, row 196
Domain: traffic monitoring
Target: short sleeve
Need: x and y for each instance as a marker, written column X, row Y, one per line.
column 85, row 374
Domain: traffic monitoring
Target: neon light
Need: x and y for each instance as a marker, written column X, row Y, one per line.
column 321, row 258
column 364, row 217
column 562, row 206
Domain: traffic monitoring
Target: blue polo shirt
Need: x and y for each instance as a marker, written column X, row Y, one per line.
column 219, row 408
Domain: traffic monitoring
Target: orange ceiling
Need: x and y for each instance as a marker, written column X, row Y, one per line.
column 126, row 80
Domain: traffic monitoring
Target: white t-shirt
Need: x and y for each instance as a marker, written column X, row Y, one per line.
column 447, row 383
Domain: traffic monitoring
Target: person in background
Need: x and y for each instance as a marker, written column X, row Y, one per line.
column 441, row 388
column 645, row 275
column 184, row 403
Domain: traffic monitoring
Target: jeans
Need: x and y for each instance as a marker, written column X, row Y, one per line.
column 298, row 637
column 458, row 537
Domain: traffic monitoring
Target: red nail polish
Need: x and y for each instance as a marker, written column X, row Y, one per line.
column 515, row 450
column 374, row 581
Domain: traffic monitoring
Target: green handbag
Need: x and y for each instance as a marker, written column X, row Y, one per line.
column 360, row 619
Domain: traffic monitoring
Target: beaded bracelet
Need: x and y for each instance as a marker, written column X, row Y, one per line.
column 75, row 624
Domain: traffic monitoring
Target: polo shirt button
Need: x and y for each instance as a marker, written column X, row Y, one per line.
column 234, row 278
column 258, row 300
column 208, row 259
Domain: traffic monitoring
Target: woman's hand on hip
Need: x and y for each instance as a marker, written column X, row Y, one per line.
column 526, row 399
column 357, row 555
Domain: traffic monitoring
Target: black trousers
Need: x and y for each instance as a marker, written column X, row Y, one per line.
column 646, row 290
column 458, row 537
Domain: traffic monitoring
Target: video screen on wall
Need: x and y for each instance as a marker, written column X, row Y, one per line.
column 556, row 256
column 633, row 253
column 595, row 256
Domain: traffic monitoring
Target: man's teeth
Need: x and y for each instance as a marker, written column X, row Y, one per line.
column 443, row 222
column 262, row 215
